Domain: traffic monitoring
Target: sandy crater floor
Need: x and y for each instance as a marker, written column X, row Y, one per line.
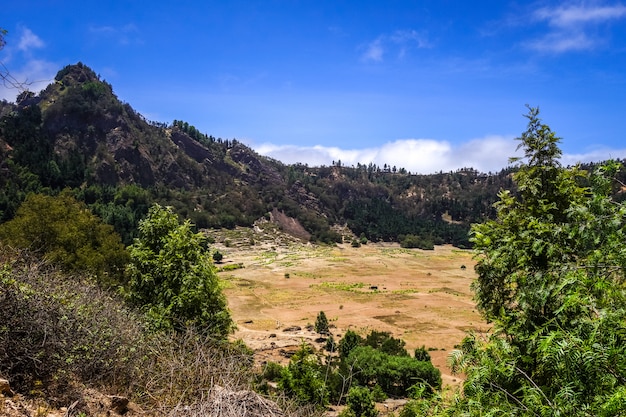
column 420, row 296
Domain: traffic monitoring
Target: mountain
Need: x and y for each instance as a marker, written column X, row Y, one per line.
column 77, row 135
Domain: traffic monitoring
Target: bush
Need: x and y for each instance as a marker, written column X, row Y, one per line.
column 360, row 403
column 321, row 324
column 330, row 345
column 57, row 329
column 303, row 378
column 394, row 374
column 412, row 241
column 272, row 371
column 421, row 354
column 386, row 343
column 68, row 235
column 349, row 341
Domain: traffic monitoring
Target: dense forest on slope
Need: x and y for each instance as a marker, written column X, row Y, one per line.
column 76, row 134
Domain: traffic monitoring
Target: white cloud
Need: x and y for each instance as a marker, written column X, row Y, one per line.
column 25, row 69
column 28, row 40
column 571, row 26
column 593, row 155
column 397, row 43
column 411, row 37
column 124, row 35
column 415, row 155
column 575, row 15
column 374, row 51
column 560, row 42
column 426, row 156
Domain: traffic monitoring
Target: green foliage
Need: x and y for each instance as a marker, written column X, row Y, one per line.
column 421, row 354
column 412, row 241
column 386, row 343
column 394, row 374
column 172, row 277
column 311, row 380
column 304, row 378
column 349, row 341
column 551, row 279
column 331, row 345
column 66, row 233
column 360, row 402
column 15, row 184
column 272, row 371
column 217, row 256
column 321, row 324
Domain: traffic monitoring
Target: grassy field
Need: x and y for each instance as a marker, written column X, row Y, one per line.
column 420, row 296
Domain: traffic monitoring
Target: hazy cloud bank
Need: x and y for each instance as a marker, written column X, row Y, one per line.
column 573, row 27
column 424, row 156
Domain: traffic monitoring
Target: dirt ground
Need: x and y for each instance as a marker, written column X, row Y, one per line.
column 420, row 296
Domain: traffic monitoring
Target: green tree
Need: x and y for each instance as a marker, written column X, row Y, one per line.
column 349, row 341
column 217, row 256
column 394, row 374
column 321, row 324
column 421, row 354
column 360, row 403
column 172, row 276
column 66, row 233
column 304, row 377
column 551, row 279
column 386, row 343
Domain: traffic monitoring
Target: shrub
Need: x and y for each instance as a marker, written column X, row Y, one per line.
column 421, row 354
column 349, row 341
column 57, row 329
column 303, row 378
column 394, row 374
column 68, row 235
column 412, row 241
column 360, row 403
column 386, row 343
column 321, row 324
column 330, row 345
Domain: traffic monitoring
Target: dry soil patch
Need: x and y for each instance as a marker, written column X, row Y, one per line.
column 420, row 296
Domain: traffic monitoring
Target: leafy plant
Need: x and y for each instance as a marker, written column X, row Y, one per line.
column 172, row 277
column 551, row 279
column 360, row 402
column 321, row 324
column 69, row 235
column 304, row 378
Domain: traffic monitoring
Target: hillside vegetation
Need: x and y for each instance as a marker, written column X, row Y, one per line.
column 77, row 135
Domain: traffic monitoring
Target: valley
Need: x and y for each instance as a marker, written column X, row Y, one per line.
column 420, row 296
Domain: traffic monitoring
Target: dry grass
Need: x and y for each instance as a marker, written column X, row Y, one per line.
column 421, row 296
column 61, row 336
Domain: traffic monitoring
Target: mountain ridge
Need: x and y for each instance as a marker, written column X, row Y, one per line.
column 77, row 134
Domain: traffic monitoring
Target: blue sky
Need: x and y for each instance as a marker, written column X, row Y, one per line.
column 424, row 85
